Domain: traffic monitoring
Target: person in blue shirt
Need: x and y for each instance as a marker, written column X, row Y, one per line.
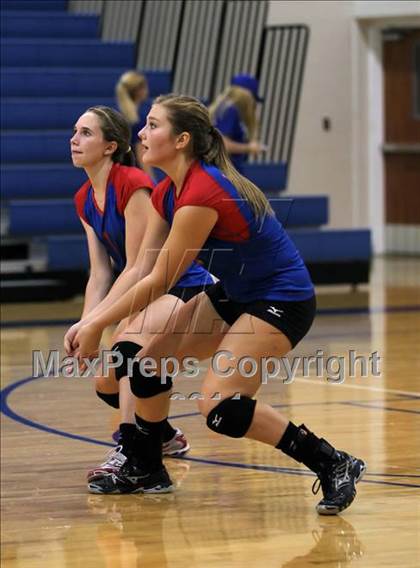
column 233, row 113
column 262, row 306
column 113, row 206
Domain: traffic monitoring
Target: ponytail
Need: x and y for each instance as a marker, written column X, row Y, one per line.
column 126, row 104
column 218, row 155
column 125, row 90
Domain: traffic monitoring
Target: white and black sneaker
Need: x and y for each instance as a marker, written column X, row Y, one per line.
column 133, row 477
column 338, row 480
column 112, row 464
column 176, row 446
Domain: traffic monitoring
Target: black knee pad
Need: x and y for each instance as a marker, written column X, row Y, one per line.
column 143, row 386
column 232, row 417
column 128, row 350
column 111, row 399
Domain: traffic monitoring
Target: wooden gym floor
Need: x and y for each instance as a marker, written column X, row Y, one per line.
column 238, row 503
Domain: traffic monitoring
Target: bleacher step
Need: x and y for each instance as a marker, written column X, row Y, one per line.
column 66, row 52
column 62, row 81
column 47, row 24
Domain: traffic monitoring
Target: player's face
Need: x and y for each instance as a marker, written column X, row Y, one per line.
column 87, row 144
column 157, row 139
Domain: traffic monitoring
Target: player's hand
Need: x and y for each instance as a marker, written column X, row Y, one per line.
column 86, row 342
column 69, row 337
column 256, row 147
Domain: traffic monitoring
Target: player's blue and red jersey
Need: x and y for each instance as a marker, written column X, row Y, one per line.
column 253, row 257
column 109, row 223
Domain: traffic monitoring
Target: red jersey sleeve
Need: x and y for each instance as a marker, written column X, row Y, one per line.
column 80, row 199
column 131, row 180
column 202, row 191
column 158, row 196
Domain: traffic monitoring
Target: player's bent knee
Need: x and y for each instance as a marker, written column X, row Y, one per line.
column 127, row 350
column 145, row 386
column 112, row 399
column 232, row 416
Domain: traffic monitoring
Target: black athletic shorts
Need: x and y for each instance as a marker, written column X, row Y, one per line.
column 185, row 294
column 294, row 319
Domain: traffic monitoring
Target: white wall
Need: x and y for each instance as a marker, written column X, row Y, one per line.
column 322, row 160
column 386, row 9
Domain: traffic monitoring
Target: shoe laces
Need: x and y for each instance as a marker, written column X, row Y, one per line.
column 339, row 474
column 114, row 457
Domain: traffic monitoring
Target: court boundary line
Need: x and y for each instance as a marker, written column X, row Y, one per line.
column 11, row 414
column 412, row 394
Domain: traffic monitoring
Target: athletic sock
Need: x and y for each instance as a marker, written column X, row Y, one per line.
column 304, row 446
column 149, row 442
column 168, row 432
column 127, row 438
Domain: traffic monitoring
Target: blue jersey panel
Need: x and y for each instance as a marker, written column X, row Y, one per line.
column 266, row 265
column 109, row 226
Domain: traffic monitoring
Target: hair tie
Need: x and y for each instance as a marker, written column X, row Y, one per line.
column 129, row 150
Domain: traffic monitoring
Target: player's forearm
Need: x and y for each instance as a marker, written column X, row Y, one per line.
column 236, row 147
column 124, row 282
column 96, row 291
column 132, row 302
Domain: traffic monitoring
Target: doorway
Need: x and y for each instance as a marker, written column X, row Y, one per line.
column 401, row 148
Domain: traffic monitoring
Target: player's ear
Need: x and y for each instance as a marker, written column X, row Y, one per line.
column 182, row 140
column 110, row 148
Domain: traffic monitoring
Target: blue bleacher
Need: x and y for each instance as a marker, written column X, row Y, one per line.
column 332, row 245
column 44, row 24
column 48, row 113
column 28, row 216
column 43, row 217
column 73, row 81
column 31, row 5
column 30, row 181
column 17, row 52
column 67, row 252
column 268, row 177
column 33, row 146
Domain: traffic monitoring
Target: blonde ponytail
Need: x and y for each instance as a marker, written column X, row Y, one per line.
column 129, row 83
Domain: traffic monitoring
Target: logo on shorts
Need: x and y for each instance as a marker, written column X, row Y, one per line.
column 216, row 421
column 275, row 311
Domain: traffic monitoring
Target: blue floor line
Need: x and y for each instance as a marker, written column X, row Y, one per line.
column 7, row 411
